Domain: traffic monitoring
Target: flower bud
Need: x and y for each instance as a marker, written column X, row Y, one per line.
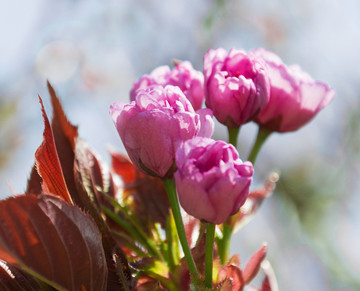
column 236, row 86
column 183, row 75
column 152, row 126
column 295, row 98
column 212, row 182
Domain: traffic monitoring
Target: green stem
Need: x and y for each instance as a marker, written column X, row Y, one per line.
column 172, row 242
column 224, row 243
column 174, row 204
column 210, row 235
column 262, row 135
column 233, row 135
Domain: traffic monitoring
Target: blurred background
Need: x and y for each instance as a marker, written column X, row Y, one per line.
column 92, row 52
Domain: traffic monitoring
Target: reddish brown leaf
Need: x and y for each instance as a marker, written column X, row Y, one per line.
column 48, row 164
column 88, row 173
column 66, row 139
column 123, row 167
column 89, row 177
column 101, row 179
column 63, row 129
column 55, row 240
column 34, row 182
column 12, row 278
column 86, row 188
column 253, row 265
column 144, row 195
column 97, row 171
column 234, row 274
column 84, row 179
column 65, row 135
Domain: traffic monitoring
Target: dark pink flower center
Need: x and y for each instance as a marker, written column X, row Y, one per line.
column 239, row 66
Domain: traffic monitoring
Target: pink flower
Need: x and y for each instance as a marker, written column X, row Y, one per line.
column 211, row 180
column 190, row 81
column 295, row 98
column 236, row 86
column 152, row 126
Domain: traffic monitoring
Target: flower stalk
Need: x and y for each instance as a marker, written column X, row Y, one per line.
column 261, row 137
column 224, row 242
column 172, row 242
column 210, row 236
column 169, row 184
column 233, row 135
column 227, row 229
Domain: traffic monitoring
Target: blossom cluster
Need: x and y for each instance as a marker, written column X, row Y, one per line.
column 166, row 131
column 167, row 134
